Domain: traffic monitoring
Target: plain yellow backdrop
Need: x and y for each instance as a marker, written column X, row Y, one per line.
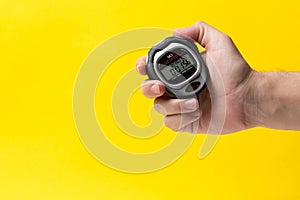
column 42, row 46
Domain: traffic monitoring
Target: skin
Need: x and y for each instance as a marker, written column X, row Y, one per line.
column 252, row 98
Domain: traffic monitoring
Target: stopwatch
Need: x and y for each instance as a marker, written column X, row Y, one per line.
column 177, row 63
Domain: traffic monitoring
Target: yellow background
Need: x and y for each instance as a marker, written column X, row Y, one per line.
column 42, row 46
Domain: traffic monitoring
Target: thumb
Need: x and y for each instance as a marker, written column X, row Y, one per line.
column 206, row 35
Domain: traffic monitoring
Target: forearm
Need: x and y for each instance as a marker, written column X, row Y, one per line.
column 273, row 100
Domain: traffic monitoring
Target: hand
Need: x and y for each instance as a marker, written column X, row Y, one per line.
column 224, row 62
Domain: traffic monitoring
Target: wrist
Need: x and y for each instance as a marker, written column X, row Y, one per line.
column 272, row 100
column 261, row 102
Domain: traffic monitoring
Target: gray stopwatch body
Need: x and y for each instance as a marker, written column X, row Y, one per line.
column 178, row 64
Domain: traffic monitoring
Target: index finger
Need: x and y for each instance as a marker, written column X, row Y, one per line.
column 141, row 65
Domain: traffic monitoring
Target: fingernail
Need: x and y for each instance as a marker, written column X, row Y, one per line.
column 155, row 89
column 190, row 104
column 144, row 83
column 137, row 68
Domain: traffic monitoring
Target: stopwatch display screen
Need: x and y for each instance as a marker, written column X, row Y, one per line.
column 177, row 65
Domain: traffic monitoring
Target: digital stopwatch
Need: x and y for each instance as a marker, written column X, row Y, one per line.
column 177, row 63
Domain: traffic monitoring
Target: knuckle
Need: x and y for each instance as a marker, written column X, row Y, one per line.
column 159, row 108
column 226, row 38
column 191, row 105
column 179, row 105
column 171, row 124
column 200, row 22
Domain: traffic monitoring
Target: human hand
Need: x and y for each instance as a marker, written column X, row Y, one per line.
column 224, row 62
